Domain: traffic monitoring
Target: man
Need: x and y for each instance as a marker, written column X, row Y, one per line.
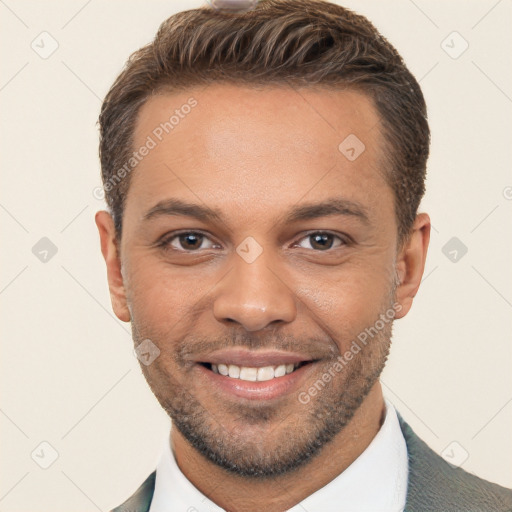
column 263, row 170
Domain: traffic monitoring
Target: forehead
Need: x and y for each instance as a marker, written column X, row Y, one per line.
column 256, row 149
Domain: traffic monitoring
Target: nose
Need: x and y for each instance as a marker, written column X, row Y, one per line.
column 253, row 295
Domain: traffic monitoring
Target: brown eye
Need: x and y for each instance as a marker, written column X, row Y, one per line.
column 189, row 241
column 321, row 241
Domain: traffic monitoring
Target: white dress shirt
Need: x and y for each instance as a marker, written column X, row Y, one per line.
column 375, row 482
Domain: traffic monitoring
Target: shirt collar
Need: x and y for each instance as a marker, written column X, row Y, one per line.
column 375, row 481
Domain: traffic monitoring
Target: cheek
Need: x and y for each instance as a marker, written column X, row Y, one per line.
column 346, row 302
column 153, row 296
column 163, row 299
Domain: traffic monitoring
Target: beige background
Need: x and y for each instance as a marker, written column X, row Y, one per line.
column 68, row 373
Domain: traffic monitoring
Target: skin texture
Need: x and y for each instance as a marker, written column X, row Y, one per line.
column 253, row 154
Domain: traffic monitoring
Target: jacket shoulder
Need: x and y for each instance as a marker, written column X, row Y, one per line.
column 436, row 485
column 141, row 498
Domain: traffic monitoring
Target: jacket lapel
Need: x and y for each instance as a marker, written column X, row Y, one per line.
column 436, row 485
column 141, row 499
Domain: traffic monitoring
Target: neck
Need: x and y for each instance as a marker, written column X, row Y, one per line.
column 232, row 492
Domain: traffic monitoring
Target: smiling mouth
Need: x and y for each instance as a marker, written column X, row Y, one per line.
column 254, row 373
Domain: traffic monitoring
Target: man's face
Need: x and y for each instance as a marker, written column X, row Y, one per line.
column 272, row 274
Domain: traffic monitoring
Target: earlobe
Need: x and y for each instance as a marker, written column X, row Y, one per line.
column 411, row 263
column 110, row 252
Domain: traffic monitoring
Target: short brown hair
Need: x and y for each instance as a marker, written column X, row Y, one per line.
column 296, row 42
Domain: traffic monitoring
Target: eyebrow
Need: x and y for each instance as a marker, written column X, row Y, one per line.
column 334, row 206
column 179, row 207
column 308, row 211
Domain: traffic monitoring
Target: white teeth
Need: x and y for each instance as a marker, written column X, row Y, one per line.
column 253, row 374
column 234, row 371
column 248, row 373
column 265, row 373
column 223, row 369
column 280, row 370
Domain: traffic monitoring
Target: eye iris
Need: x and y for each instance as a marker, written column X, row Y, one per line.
column 324, row 241
column 191, row 240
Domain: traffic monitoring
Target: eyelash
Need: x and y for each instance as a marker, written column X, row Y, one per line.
column 166, row 240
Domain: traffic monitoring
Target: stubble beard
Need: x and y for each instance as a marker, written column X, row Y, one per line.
column 287, row 441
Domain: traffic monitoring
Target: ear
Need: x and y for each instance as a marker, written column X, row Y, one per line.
column 109, row 249
column 411, row 263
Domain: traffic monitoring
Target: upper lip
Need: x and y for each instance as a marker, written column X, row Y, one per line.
column 253, row 358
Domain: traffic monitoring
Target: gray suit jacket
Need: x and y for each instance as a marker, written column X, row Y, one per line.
column 434, row 485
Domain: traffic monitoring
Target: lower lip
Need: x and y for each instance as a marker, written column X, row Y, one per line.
column 264, row 390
